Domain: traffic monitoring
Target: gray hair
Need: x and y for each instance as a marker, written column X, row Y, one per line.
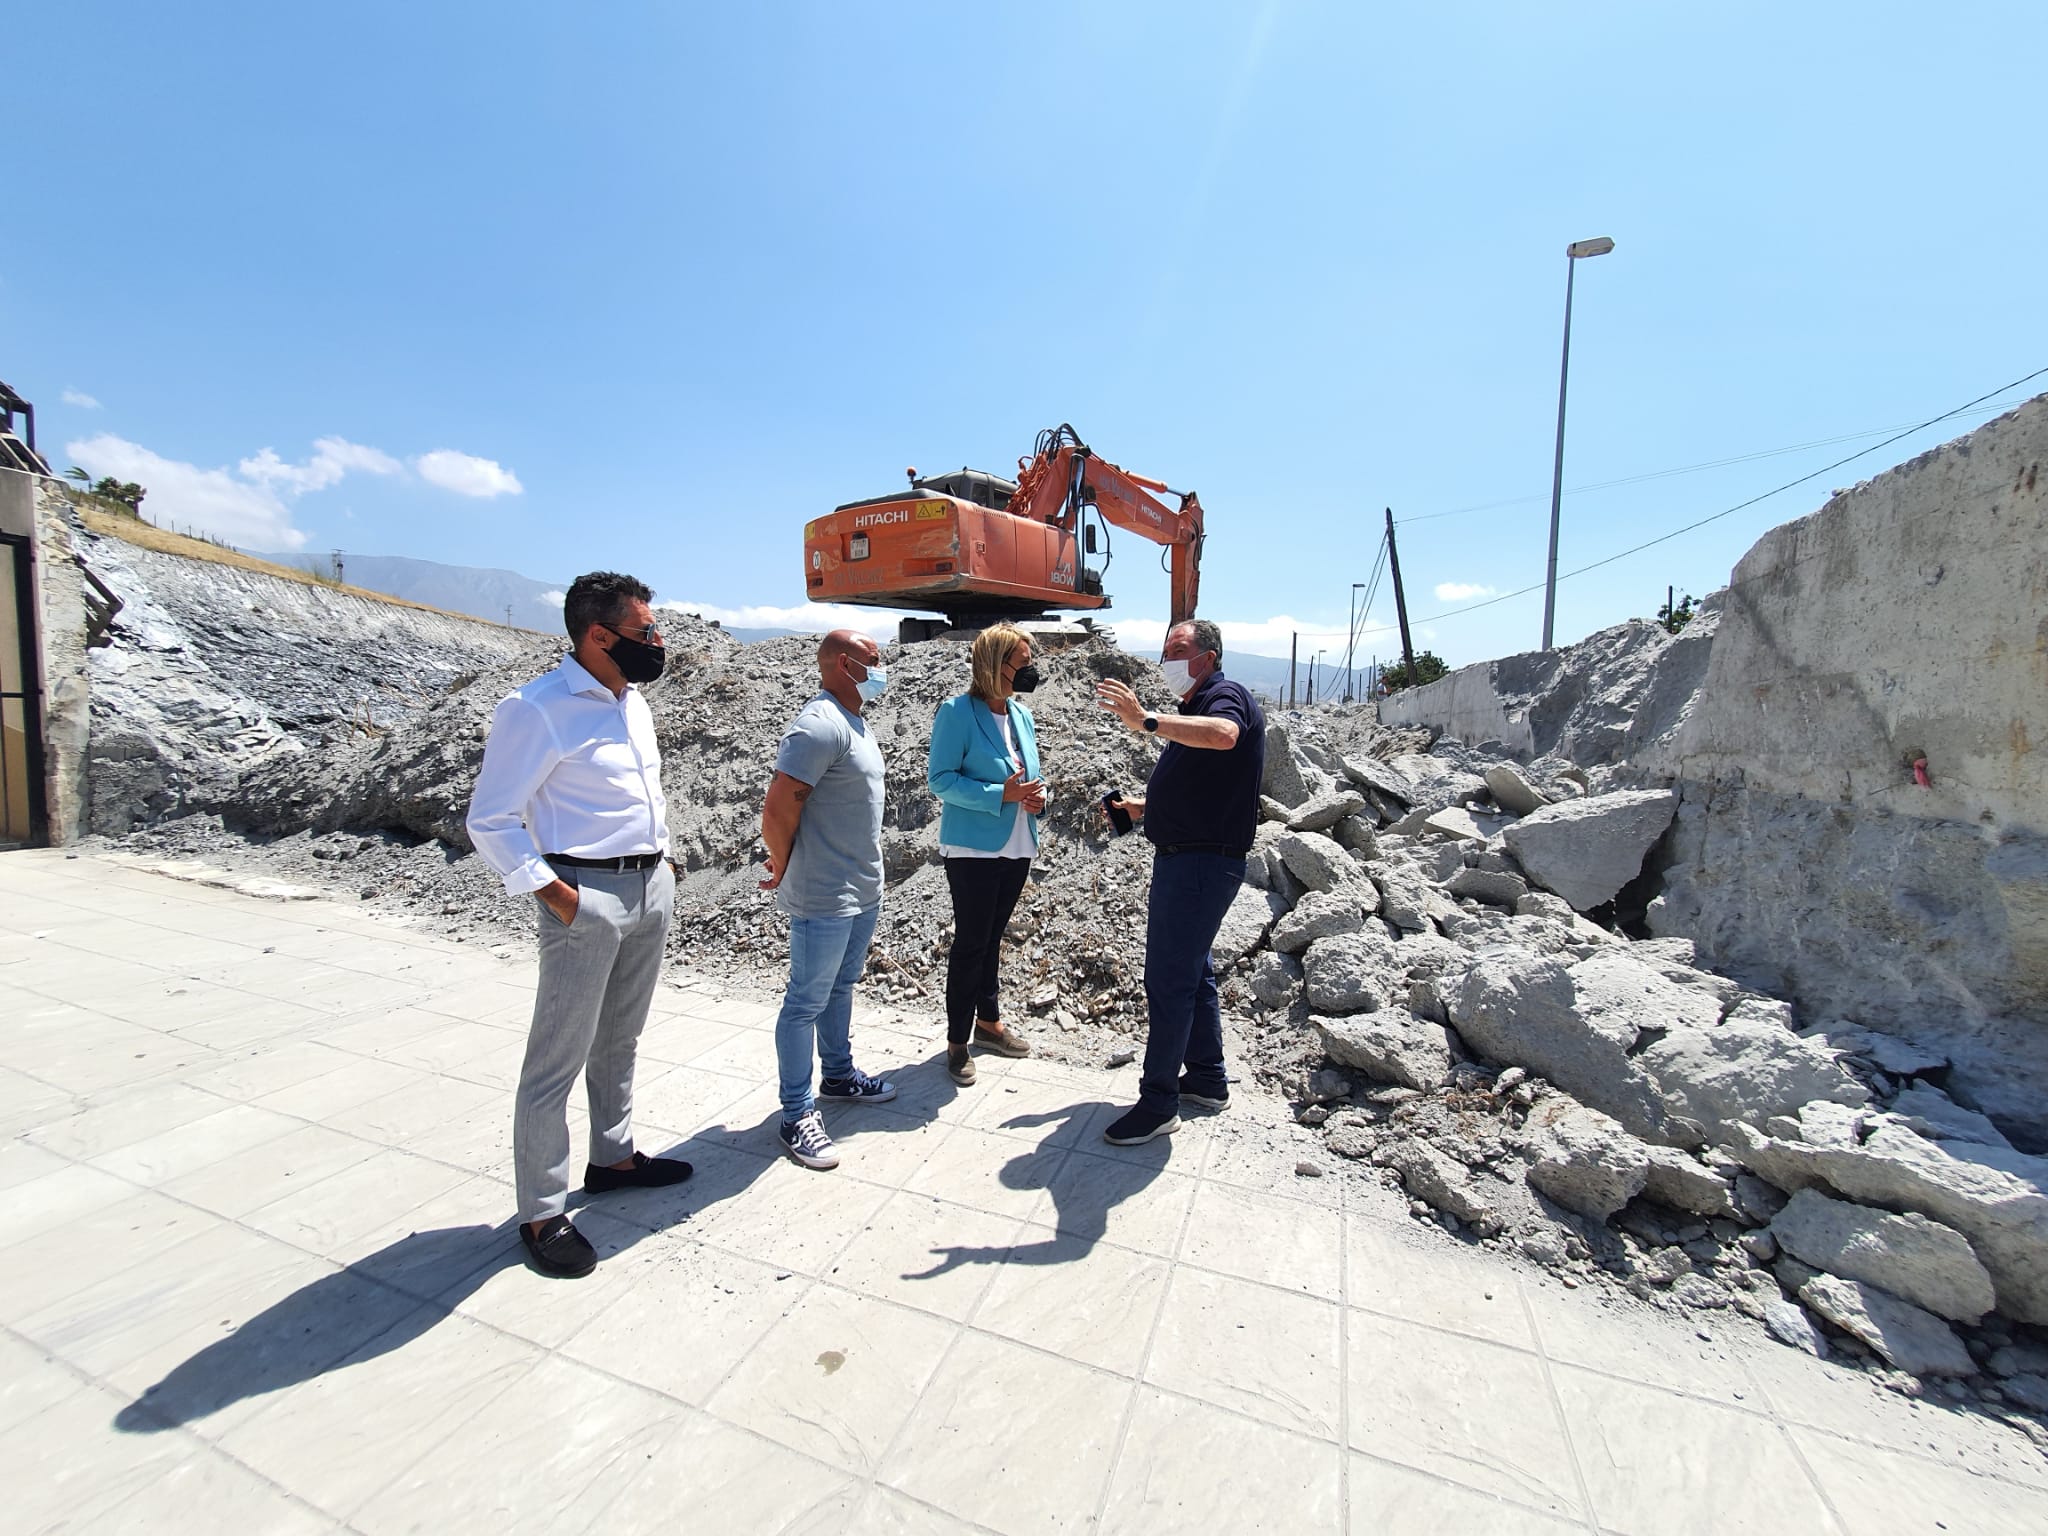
column 1208, row 636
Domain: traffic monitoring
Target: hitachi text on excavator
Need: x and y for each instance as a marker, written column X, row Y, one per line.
column 980, row 549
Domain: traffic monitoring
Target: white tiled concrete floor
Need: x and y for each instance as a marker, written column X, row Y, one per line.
column 260, row 1276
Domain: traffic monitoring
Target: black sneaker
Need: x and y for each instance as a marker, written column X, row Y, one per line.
column 558, row 1248
column 804, row 1139
column 1217, row 1100
column 646, row 1173
column 1138, row 1126
column 857, row 1089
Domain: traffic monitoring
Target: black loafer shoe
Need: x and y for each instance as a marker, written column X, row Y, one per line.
column 559, row 1249
column 646, row 1173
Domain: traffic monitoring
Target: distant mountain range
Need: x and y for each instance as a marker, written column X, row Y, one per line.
column 506, row 596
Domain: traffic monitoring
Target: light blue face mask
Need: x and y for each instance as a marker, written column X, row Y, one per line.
column 871, row 686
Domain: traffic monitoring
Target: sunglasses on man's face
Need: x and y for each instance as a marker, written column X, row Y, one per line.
column 646, row 634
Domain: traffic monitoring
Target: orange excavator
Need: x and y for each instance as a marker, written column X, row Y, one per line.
column 981, row 549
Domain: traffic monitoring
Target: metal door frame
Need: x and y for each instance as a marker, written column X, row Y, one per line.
column 30, row 693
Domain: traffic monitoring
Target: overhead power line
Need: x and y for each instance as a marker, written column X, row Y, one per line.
column 1683, row 469
column 1662, row 538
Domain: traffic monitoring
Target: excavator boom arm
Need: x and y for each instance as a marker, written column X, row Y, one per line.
column 1054, row 486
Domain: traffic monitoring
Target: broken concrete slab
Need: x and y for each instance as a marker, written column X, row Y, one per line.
column 1586, row 850
column 1890, row 1053
column 1276, row 979
column 1464, row 824
column 1583, row 1159
column 1789, row 1324
column 1931, row 1112
column 1252, row 912
column 1495, row 887
column 1683, row 1182
column 1405, row 896
column 1440, row 1182
column 1995, row 1197
column 1742, row 1069
column 1319, row 915
column 1914, row 1340
column 1512, row 792
column 1323, row 811
column 1910, row 1256
column 1370, row 773
column 1390, row 1046
column 1282, row 779
column 1318, row 862
column 1354, row 972
column 1518, row 1009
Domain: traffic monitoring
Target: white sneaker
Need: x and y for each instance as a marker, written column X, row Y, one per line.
column 804, row 1139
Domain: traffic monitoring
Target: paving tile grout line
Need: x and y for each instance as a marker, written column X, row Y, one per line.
column 1344, row 1220
column 1138, row 1379
column 1587, row 1513
column 198, row 1445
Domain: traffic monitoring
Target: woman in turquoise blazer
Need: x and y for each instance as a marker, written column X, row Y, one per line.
column 984, row 768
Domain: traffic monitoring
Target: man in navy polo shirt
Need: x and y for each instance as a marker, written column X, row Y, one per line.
column 1199, row 809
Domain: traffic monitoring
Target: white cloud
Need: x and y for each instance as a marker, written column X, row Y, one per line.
column 554, row 599
column 184, row 495
column 466, row 474
column 333, row 457
column 1459, row 591
column 809, row 618
column 79, row 398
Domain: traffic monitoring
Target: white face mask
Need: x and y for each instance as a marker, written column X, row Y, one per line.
column 1177, row 677
column 870, row 687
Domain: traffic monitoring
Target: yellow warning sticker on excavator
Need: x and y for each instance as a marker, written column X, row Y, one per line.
column 928, row 511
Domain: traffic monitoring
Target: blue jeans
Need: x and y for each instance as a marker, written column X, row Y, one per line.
column 826, row 955
column 1191, row 892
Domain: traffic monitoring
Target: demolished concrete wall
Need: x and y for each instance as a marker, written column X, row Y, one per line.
column 214, row 669
column 1906, row 620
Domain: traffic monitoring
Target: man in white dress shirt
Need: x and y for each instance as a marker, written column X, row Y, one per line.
column 568, row 806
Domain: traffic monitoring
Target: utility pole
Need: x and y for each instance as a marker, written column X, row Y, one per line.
column 1351, row 642
column 337, row 568
column 508, row 615
column 1293, row 654
column 1400, row 601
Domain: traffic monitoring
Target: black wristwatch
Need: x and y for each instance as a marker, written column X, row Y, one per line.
column 1151, row 722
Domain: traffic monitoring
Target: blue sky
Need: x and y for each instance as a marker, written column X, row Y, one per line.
column 647, row 286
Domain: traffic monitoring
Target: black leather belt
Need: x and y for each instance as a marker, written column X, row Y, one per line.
column 617, row 866
column 1222, row 848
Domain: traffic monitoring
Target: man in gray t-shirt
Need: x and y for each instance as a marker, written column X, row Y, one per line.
column 822, row 824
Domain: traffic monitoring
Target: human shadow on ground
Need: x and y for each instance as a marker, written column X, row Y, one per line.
column 1085, row 1187
column 388, row 1299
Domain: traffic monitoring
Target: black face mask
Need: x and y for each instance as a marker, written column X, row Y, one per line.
column 1026, row 678
column 638, row 663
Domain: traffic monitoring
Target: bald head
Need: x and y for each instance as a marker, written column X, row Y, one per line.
column 850, row 643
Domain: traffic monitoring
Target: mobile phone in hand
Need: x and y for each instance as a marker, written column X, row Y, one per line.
column 1119, row 818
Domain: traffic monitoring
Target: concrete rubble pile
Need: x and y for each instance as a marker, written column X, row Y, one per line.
column 1437, row 934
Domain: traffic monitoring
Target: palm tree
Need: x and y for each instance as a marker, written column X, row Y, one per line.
column 81, row 476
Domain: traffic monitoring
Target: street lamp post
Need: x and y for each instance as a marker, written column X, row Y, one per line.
column 1351, row 641
column 1574, row 253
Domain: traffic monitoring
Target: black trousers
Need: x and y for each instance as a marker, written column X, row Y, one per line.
column 985, row 893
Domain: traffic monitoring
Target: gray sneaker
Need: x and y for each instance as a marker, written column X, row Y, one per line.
column 804, row 1139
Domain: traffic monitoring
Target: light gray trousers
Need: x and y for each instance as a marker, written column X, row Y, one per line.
column 597, row 977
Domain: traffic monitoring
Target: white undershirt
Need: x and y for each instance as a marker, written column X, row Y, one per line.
column 1023, row 843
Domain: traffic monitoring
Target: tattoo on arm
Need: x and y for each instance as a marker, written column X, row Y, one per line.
column 803, row 793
